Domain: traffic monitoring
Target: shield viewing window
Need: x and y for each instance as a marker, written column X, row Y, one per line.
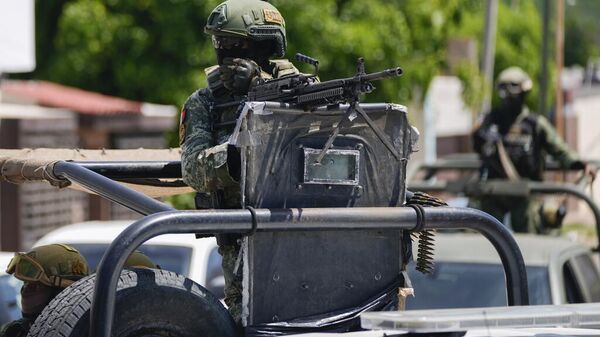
column 338, row 167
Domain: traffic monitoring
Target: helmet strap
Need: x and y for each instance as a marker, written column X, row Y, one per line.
column 56, row 281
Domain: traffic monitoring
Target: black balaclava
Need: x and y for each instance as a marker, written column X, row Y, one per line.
column 35, row 297
column 257, row 51
column 510, row 107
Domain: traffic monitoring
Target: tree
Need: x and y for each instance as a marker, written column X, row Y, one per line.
column 519, row 43
column 156, row 51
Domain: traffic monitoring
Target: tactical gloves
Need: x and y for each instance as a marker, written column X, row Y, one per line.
column 239, row 75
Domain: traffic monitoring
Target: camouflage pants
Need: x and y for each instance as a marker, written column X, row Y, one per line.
column 233, row 281
column 524, row 215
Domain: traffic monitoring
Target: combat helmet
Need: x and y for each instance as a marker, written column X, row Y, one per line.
column 513, row 81
column 248, row 19
column 56, row 265
column 138, row 259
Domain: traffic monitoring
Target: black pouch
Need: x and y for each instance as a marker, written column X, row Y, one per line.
column 552, row 216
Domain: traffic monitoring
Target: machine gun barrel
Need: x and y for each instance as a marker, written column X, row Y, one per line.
column 307, row 92
column 359, row 78
column 387, row 73
column 337, row 90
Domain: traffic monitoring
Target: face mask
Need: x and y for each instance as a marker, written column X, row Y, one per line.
column 257, row 51
column 35, row 297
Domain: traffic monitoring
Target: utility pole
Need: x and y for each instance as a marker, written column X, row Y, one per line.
column 489, row 50
column 543, row 109
column 560, row 41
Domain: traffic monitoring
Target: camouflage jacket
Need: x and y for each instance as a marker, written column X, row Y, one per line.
column 204, row 133
column 527, row 142
column 18, row 328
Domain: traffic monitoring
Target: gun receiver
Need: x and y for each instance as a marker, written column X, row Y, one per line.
column 307, row 92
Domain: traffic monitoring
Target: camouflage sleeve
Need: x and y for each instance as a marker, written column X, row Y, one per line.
column 555, row 146
column 195, row 135
column 18, row 328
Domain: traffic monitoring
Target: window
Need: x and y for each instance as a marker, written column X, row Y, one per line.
column 173, row 258
column 470, row 285
column 589, row 277
column 572, row 289
column 215, row 281
column 10, row 298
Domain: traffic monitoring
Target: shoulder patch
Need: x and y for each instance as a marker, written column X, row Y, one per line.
column 273, row 16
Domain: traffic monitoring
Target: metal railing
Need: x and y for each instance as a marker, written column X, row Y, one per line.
column 168, row 221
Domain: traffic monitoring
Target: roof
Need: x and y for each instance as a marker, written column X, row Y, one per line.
column 92, row 232
column 85, row 102
column 22, row 111
column 467, row 247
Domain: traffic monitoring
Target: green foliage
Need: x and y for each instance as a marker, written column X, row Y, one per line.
column 155, row 50
column 585, row 14
column 472, row 79
column 182, row 201
column 146, row 50
column 519, row 42
column 579, row 41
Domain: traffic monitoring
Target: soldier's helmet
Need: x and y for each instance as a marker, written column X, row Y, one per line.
column 256, row 20
column 56, row 265
column 513, row 81
column 138, row 259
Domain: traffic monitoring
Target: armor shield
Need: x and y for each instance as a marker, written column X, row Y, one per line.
column 294, row 275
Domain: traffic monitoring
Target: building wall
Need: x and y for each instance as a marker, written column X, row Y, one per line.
column 44, row 207
column 31, row 210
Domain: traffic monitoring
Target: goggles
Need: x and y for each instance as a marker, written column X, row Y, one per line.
column 26, row 269
column 223, row 42
column 506, row 89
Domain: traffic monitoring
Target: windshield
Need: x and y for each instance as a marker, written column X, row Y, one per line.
column 471, row 285
column 172, row 258
column 10, row 298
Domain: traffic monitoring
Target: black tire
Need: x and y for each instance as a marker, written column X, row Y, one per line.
column 149, row 302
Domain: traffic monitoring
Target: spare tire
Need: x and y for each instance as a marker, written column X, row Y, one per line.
column 149, row 302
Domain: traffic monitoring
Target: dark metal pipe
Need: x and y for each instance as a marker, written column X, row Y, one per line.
column 574, row 190
column 135, row 169
column 109, row 189
column 500, row 237
column 474, row 164
column 309, row 219
column 532, row 187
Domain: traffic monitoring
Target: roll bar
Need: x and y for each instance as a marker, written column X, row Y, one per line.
column 165, row 220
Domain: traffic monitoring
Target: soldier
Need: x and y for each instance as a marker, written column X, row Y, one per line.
column 512, row 144
column 246, row 34
column 45, row 272
column 137, row 259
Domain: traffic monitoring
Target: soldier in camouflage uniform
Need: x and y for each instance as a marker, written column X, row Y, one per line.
column 45, row 272
column 510, row 137
column 137, row 259
column 246, row 34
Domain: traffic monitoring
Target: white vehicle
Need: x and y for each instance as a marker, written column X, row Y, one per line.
column 197, row 259
column 467, row 266
column 10, row 295
column 573, row 320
